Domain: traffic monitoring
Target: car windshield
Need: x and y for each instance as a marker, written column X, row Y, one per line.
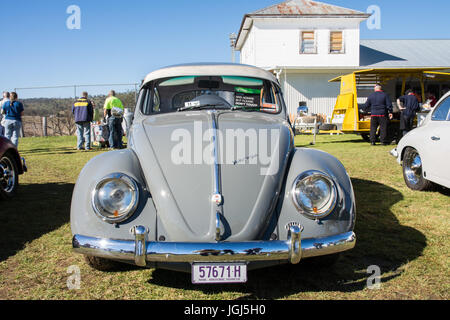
column 210, row 92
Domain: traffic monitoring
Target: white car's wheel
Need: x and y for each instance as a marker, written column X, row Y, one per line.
column 412, row 171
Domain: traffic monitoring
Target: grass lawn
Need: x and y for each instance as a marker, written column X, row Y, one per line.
column 403, row 232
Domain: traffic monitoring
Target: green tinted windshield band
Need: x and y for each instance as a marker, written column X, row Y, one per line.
column 242, row 81
column 177, row 81
column 247, row 90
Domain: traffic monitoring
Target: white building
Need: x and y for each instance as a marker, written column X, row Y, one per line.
column 307, row 43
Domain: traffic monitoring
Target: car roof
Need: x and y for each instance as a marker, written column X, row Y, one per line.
column 210, row 69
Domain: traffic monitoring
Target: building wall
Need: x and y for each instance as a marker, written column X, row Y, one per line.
column 247, row 55
column 277, row 42
column 313, row 88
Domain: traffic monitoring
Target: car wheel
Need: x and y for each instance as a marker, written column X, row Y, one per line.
column 9, row 176
column 102, row 264
column 412, row 171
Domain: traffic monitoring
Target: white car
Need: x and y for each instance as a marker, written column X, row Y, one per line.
column 424, row 152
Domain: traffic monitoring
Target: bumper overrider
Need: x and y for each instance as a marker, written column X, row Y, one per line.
column 140, row 251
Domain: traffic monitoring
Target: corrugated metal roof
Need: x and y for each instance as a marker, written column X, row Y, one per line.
column 405, row 53
column 305, row 7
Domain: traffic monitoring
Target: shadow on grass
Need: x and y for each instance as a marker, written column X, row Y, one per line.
column 381, row 241
column 56, row 151
column 35, row 210
column 310, row 144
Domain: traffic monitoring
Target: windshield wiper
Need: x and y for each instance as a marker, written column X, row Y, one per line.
column 202, row 106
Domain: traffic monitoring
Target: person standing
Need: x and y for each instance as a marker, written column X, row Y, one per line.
column 113, row 111
column 409, row 106
column 13, row 111
column 381, row 112
column 83, row 110
column 5, row 99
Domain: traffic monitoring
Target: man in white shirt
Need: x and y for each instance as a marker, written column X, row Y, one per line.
column 5, row 99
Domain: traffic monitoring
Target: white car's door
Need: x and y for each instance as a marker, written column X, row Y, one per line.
column 437, row 145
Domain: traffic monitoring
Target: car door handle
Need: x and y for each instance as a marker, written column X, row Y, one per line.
column 434, row 138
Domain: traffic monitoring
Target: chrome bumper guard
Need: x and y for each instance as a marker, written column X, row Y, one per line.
column 142, row 251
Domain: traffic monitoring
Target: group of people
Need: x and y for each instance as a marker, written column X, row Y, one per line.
column 83, row 111
column 380, row 105
column 11, row 111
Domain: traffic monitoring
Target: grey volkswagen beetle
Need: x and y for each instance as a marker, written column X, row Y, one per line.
column 211, row 182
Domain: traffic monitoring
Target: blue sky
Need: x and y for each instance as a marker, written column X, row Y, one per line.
column 121, row 41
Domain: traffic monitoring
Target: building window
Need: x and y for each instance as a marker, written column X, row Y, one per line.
column 308, row 42
column 336, row 42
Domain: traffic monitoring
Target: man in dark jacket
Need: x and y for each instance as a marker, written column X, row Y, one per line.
column 83, row 110
column 409, row 106
column 381, row 112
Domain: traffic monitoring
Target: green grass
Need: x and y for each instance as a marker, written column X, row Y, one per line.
column 405, row 233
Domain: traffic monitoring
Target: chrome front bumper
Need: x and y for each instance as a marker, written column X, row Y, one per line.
column 394, row 153
column 140, row 251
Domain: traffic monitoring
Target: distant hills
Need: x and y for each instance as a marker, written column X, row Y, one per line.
column 51, row 106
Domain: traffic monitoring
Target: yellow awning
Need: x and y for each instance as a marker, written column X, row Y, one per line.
column 383, row 75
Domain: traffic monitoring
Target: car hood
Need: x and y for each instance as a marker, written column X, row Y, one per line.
column 184, row 167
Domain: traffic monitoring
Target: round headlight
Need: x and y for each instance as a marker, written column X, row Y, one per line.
column 314, row 194
column 115, row 197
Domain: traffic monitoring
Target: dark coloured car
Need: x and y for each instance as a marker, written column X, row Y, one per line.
column 11, row 166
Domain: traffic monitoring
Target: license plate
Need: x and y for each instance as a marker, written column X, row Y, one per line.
column 219, row 273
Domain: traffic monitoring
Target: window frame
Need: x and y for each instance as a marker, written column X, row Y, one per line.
column 342, row 42
column 437, row 107
column 302, row 32
column 148, row 93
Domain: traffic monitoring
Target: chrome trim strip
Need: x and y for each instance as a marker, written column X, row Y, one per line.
column 216, row 156
column 215, row 252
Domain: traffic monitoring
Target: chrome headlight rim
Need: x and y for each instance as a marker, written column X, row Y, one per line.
column 101, row 212
column 328, row 208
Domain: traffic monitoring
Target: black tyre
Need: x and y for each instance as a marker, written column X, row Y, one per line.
column 102, row 264
column 412, row 171
column 9, row 176
column 322, row 261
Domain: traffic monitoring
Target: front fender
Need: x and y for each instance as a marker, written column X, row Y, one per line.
column 82, row 217
column 341, row 220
